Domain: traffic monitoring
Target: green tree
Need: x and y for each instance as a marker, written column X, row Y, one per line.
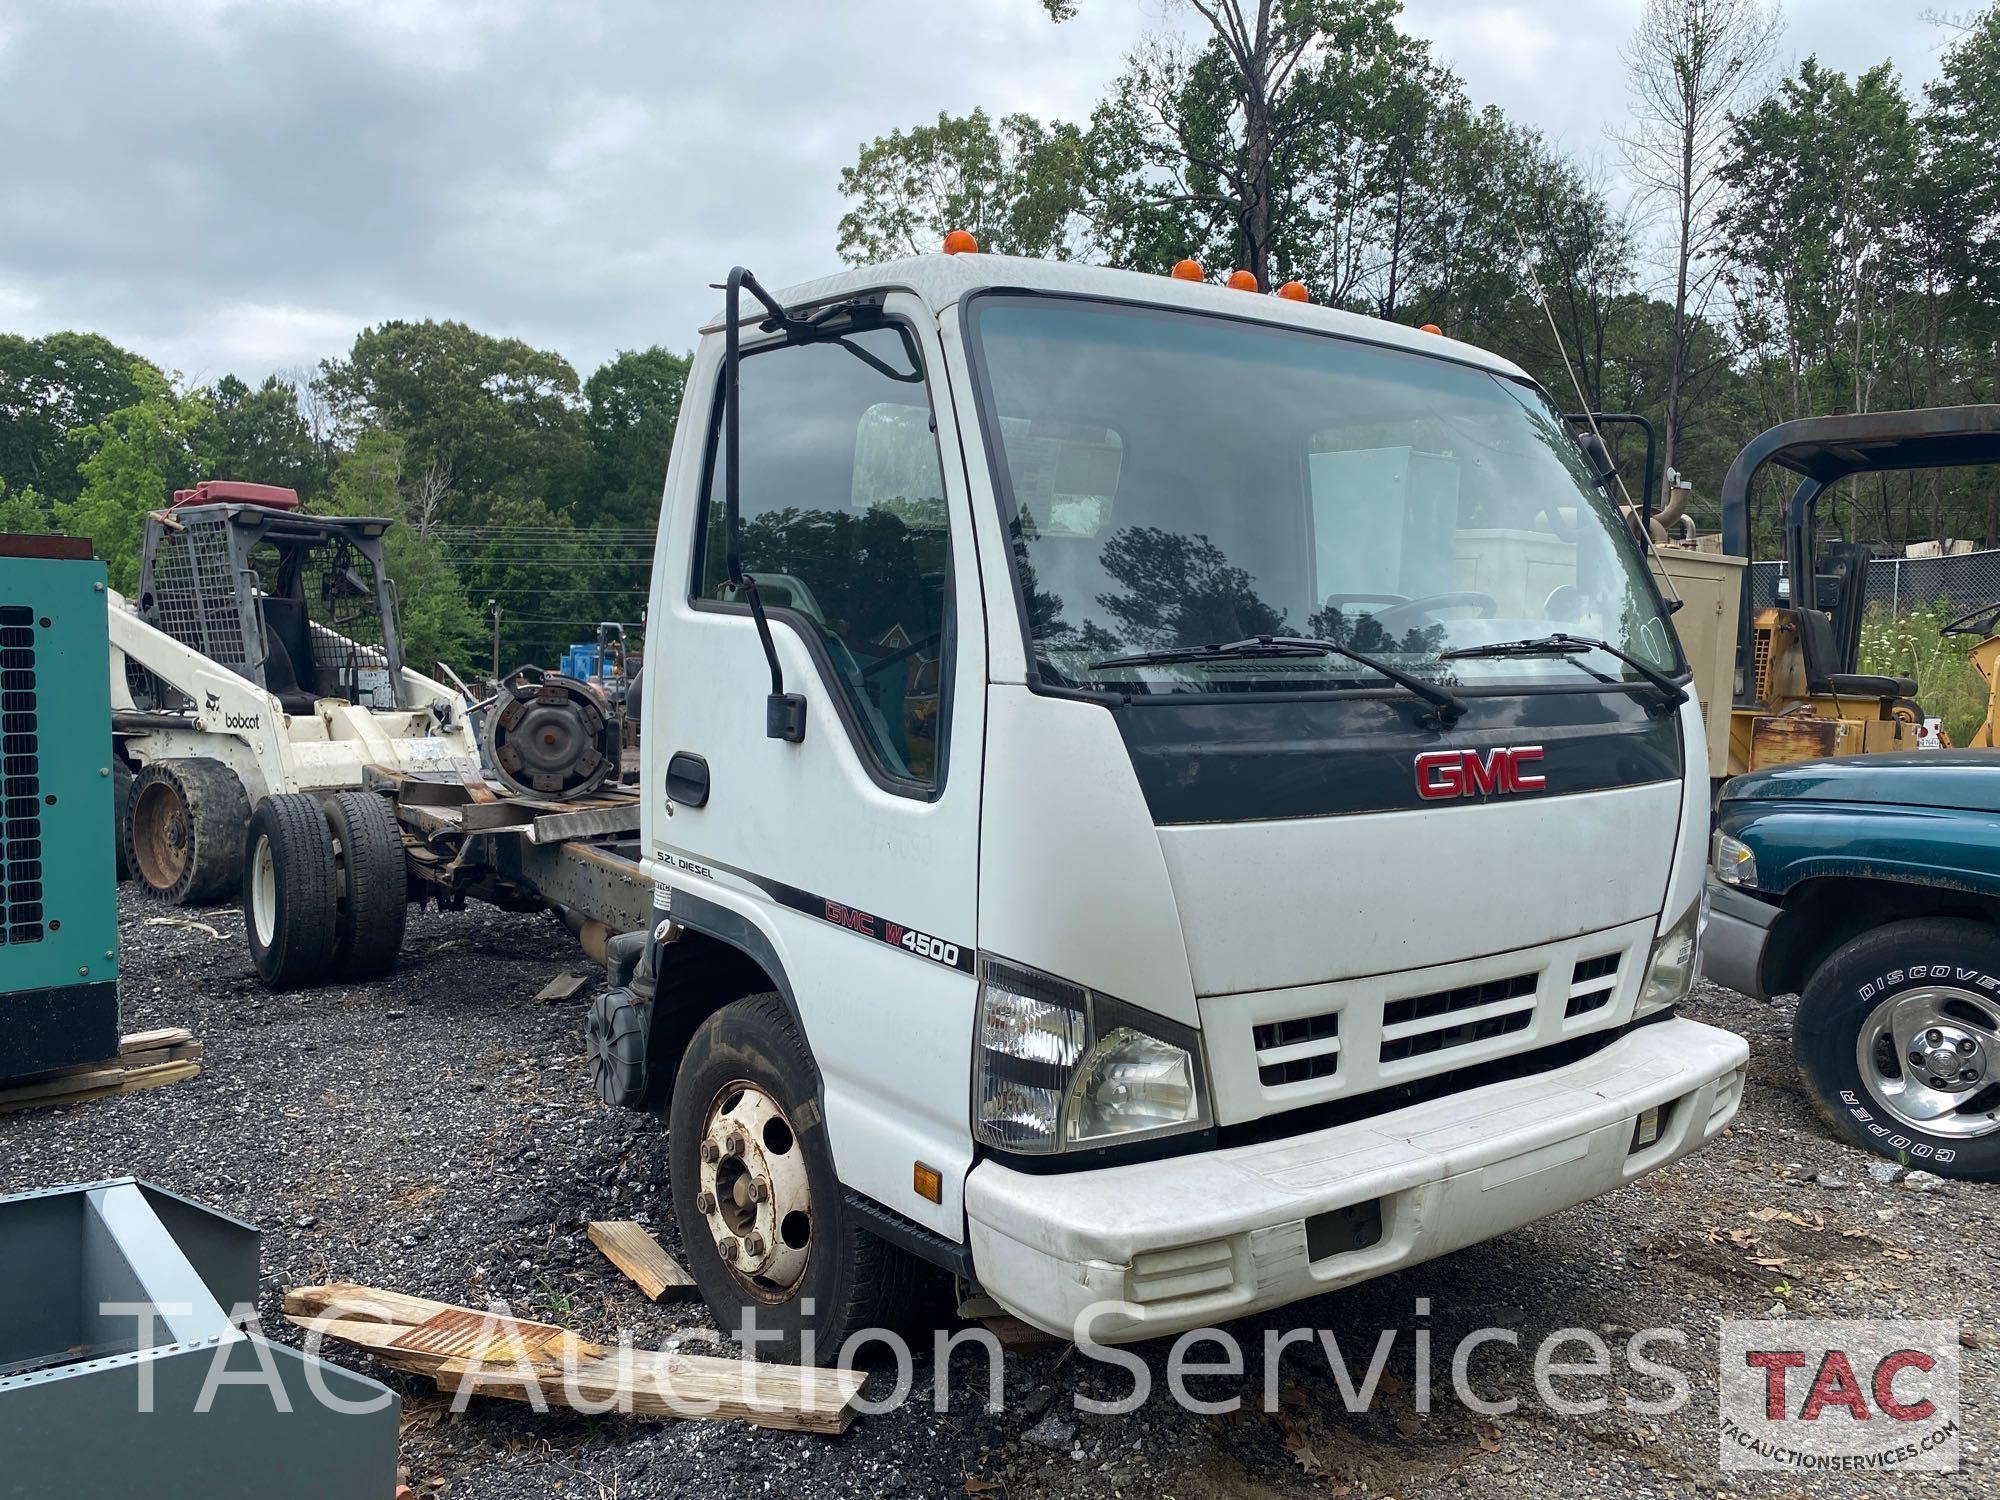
column 49, row 388
column 1195, row 147
column 260, row 435
column 138, row 456
column 1819, row 181
column 23, row 512
column 1017, row 186
column 633, row 405
column 487, row 415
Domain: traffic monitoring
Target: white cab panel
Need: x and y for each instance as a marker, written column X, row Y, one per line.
column 1071, row 876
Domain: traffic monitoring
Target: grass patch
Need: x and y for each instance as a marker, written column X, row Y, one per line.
column 1909, row 645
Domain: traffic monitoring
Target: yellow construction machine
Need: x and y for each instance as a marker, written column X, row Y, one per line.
column 1793, row 686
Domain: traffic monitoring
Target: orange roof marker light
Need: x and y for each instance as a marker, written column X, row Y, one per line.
column 1431, row 328
column 1188, row 270
column 1243, row 281
column 1295, row 291
column 960, row 242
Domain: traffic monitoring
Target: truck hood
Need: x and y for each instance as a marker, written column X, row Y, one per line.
column 1266, row 906
column 1310, row 842
column 1968, row 780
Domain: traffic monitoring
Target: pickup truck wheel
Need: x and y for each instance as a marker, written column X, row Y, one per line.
column 1898, row 1035
column 371, row 883
column 762, row 1216
column 185, row 830
column 288, row 891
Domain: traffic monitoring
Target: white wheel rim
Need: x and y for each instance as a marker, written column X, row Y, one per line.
column 264, row 893
column 755, row 1194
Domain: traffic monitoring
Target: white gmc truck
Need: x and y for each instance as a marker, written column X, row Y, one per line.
column 1163, row 800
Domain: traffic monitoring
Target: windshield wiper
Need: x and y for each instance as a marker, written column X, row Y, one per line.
column 1450, row 707
column 1564, row 645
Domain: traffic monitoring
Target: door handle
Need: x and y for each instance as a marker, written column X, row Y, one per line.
column 687, row 779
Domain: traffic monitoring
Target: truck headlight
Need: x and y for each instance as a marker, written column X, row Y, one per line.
column 1733, row 862
column 1670, row 971
column 1057, row 1066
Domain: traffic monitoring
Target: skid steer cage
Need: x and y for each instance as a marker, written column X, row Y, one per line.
column 300, row 605
column 190, row 587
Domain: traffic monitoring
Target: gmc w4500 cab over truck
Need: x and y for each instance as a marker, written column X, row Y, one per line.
column 1160, row 800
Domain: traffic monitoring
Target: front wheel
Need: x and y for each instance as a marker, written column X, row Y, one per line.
column 1898, row 1036
column 763, row 1220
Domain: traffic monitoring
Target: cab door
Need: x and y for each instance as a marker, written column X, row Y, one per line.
column 854, row 851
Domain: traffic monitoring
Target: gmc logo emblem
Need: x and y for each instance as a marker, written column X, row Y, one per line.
column 1471, row 773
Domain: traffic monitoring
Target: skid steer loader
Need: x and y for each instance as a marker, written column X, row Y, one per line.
column 261, row 657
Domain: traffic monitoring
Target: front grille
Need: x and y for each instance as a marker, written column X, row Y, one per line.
column 1297, row 1050
column 1423, row 1023
column 1592, row 983
column 1284, row 1049
column 20, row 780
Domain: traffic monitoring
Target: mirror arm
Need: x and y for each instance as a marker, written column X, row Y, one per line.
column 784, row 713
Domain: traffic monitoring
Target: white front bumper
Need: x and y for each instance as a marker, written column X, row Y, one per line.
column 1192, row 1240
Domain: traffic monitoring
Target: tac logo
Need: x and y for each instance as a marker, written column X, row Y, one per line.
column 1475, row 773
column 1822, row 1396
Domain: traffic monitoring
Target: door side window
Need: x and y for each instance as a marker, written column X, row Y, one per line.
column 845, row 530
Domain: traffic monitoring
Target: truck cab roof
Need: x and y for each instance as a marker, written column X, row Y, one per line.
column 940, row 281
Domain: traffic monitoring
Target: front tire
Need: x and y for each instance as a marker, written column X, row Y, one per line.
column 184, row 830
column 288, row 892
column 1898, row 1037
column 763, row 1219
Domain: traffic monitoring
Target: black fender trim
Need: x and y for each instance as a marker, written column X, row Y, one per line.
column 925, row 1244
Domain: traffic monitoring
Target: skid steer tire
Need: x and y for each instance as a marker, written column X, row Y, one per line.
column 288, row 892
column 372, row 885
column 121, row 816
column 184, row 831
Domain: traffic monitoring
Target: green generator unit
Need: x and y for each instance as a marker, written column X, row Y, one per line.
column 58, row 871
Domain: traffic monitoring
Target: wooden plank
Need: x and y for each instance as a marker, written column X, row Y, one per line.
column 186, row 1052
column 563, row 987
column 158, row 1075
column 56, row 1090
column 564, row 1367
column 146, row 1041
column 635, row 1252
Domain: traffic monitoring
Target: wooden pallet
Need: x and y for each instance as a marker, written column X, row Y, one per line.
column 490, row 1354
column 145, row 1060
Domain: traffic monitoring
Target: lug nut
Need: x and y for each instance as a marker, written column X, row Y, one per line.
column 705, row 1203
column 1939, row 1083
column 1916, row 1056
column 1968, row 1075
column 733, row 1146
column 753, row 1244
column 731, row 1251
column 1934, row 1036
column 710, row 1153
column 1965, row 1045
column 760, row 1192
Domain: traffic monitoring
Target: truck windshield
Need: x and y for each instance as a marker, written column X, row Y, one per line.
column 1173, row 481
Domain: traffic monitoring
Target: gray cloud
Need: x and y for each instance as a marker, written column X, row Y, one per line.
column 242, row 184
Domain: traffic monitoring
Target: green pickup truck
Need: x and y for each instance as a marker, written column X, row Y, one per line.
column 1870, row 886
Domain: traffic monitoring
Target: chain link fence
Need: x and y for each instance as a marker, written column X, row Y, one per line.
column 1901, row 583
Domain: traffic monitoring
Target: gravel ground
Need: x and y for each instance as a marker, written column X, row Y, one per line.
column 436, row 1134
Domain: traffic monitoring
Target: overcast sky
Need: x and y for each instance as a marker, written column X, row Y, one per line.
column 241, row 185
